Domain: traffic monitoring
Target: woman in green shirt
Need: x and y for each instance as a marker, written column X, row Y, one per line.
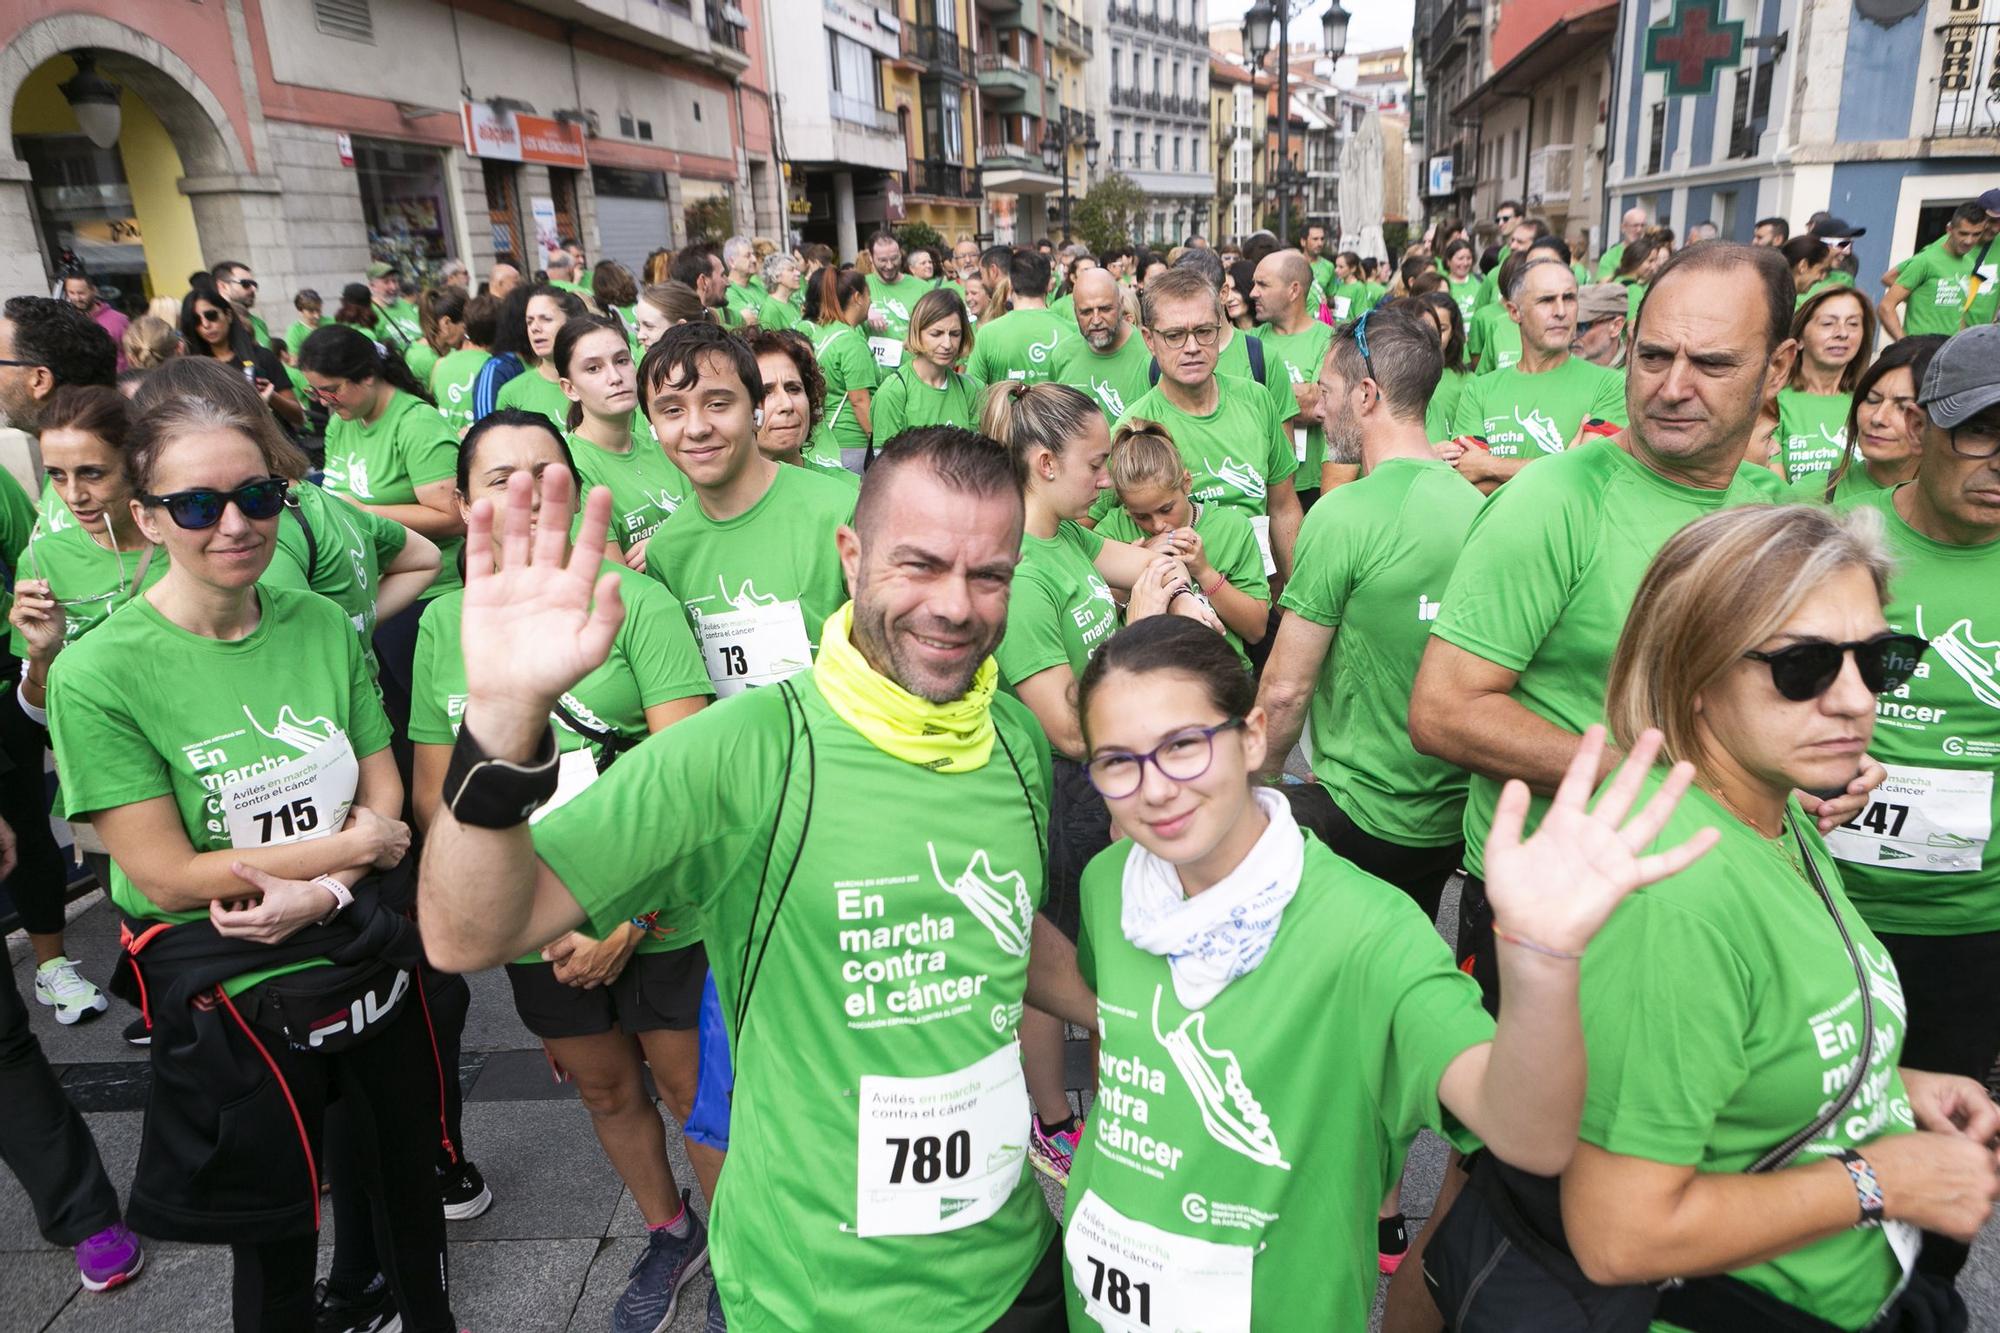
column 1803, row 430
column 609, row 438
column 539, row 388
column 452, row 378
column 1747, row 1113
column 1240, row 1138
column 604, row 1010
column 442, row 312
column 1884, row 424
column 927, row 389
column 781, row 280
column 794, row 401
column 837, row 305
column 1460, row 281
column 228, row 745
column 1442, row 310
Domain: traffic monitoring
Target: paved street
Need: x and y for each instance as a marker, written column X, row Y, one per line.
column 550, row 1256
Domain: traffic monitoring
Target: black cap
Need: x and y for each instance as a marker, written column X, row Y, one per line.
column 1837, row 229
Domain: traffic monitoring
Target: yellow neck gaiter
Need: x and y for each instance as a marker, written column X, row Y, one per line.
column 956, row 737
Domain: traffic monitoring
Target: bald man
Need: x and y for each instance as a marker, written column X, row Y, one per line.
column 1298, row 343
column 503, row 278
column 1109, row 362
column 1630, row 228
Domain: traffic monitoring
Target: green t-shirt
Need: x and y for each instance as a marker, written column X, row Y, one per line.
column 1234, row 359
column 1720, row 1014
column 421, row 358
column 1236, row 452
column 1986, row 294
column 1635, row 296
column 142, row 708
column 1065, row 306
column 408, row 446
column 1020, row 345
column 737, row 298
column 1939, row 284
column 21, row 517
column 653, row 661
column 88, row 581
column 1115, row 380
column 1920, row 860
column 1465, row 293
column 1548, row 575
column 1489, row 282
column 844, row 361
column 903, row 401
column 296, row 335
column 398, row 324
column 1322, row 271
column 1227, row 540
column 259, row 330
column 1443, row 407
column 1373, row 561
column 1812, row 432
column 1607, row 263
column 451, row 384
column 531, row 393
column 1234, row 1157
column 1527, row 416
column 1059, row 609
column 646, row 488
column 894, row 301
column 343, row 560
column 1347, row 300
column 1854, row 483
column 849, row 988
column 773, row 313
column 779, row 552
column 1299, row 356
column 1492, row 339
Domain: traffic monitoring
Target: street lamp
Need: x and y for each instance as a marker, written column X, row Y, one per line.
column 1058, row 137
column 1256, row 43
column 94, row 101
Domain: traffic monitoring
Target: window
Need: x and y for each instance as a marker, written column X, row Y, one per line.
column 1135, row 71
column 1156, row 74
column 1177, row 152
column 1514, row 153
column 1157, row 142
column 1117, row 147
column 1176, row 89
column 857, row 80
column 1117, row 60
column 403, row 200
column 1657, row 148
column 944, row 13
column 1751, row 112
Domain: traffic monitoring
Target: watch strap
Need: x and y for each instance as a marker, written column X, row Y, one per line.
column 343, row 897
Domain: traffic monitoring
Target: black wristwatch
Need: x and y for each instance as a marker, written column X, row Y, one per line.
column 485, row 792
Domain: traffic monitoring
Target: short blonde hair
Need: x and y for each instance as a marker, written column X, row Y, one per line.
column 1718, row 588
column 1143, row 453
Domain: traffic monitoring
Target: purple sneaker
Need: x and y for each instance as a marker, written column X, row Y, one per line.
column 110, row 1259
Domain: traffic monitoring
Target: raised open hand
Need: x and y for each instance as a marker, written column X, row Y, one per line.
column 1558, row 888
column 535, row 623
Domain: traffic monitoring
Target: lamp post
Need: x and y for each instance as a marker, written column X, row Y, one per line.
column 1058, row 137
column 1256, row 42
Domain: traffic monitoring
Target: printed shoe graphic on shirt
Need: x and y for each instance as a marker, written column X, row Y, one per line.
column 1541, row 428
column 745, row 598
column 349, row 474
column 1000, row 901
column 1240, row 475
column 1040, row 352
column 664, row 501
column 1229, row 1110
column 896, row 308
column 305, row 736
column 1107, row 393
column 1976, row 660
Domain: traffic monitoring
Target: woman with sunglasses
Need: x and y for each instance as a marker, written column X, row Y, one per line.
column 227, row 743
column 603, row 1009
column 1804, row 429
column 609, row 438
column 209, row 327
column 539, row 388
column 1240, row 1136
column 1750, row 1125
column 1884, row 426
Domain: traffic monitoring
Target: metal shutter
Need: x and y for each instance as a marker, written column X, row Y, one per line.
column 630, row 229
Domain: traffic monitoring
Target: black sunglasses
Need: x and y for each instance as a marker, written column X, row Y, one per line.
column 211, row 316
column 195, row 510
column 1807, row 670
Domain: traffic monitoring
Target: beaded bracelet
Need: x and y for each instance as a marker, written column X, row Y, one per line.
column 1532, row 947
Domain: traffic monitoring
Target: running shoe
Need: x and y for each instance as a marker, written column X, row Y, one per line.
column 464, row 1191
column 1392, row 1242
column 58, row 985
column 658, row 1275
column 716, row 1323
column 139, row 1032
column 1052, row 1154
column 109, row 1259
column 373, row 1311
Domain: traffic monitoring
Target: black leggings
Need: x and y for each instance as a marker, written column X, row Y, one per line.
column 39, row 883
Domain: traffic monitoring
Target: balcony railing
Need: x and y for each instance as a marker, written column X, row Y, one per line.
column 1452, row 21
column 1968, row 81
column 1549, row 171
column 1125, row 97
column 996, row 62
column 1151, row 101
column 937, row 48
column 859, row 111
column 723, row 27
column 945, row 180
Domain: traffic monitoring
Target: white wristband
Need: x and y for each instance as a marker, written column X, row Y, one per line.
column 343, row 897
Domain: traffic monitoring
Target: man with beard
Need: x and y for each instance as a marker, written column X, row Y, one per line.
column 871, row 970
column 893, row 293
column 1108, row 362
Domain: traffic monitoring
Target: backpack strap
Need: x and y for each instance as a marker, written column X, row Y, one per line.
column 293, row 508
column 1253, row 347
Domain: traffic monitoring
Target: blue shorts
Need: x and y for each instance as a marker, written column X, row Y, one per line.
column 708, row 1121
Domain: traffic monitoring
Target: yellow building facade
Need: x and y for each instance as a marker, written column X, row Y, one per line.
column 933, row 90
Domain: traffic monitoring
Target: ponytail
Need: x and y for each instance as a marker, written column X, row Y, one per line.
column 1144, row 454
column 1024, row 417
column 830, row 291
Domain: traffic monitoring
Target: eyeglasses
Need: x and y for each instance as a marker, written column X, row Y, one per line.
column 211, row 316
column 1584, row 326
column 1807, row 670
column 1181, row 757
column 195, row 510
column 1980, row 442
column 1204, row 335
column 1361, row 344
column 10, row 361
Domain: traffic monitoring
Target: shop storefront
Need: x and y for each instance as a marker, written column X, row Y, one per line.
column 404, row 202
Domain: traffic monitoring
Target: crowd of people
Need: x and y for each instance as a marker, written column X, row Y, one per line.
column 1186, row 625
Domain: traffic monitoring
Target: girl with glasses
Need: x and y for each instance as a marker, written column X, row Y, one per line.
column 210, row 327
column 228, row 744
column 1277, row 1025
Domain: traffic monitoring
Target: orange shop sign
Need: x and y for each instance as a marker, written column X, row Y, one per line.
column 516, row 137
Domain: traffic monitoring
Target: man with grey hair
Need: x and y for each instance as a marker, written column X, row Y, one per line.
column 1240, row 353
column 741, row 300
column 1599, row 336
column 561, row 268
column 1630, row 228
column 454, row 273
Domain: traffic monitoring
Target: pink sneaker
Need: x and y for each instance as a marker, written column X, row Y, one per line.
column 109, row 1259
column 1053, row 1154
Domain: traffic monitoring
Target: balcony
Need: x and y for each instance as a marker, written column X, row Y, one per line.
column 1005, row 77
column 859, row 111
column 1127, row 97
column 1152, row 101
column 1453, row 22
column 1068, row 35
column 673, row 27
column 1549, row 173
column 945, row 180
column 1968, row 81
column 726, row 25
column 937, row 50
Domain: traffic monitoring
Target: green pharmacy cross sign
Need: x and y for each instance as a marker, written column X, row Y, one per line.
column 1692, row 46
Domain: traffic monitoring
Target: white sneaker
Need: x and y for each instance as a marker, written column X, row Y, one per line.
column 74, row 999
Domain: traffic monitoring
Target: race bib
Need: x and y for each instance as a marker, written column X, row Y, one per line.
column 941, row 1153
column 304, row 797
column 1299, row 442
column 575, row 770
column 1340, row 305
column 1930, row 819
column 1135, row 1278
column 1261, row 525
column 760, row 645
column 888, row 352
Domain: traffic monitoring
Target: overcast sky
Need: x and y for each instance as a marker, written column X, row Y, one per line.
column 1375, row 23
